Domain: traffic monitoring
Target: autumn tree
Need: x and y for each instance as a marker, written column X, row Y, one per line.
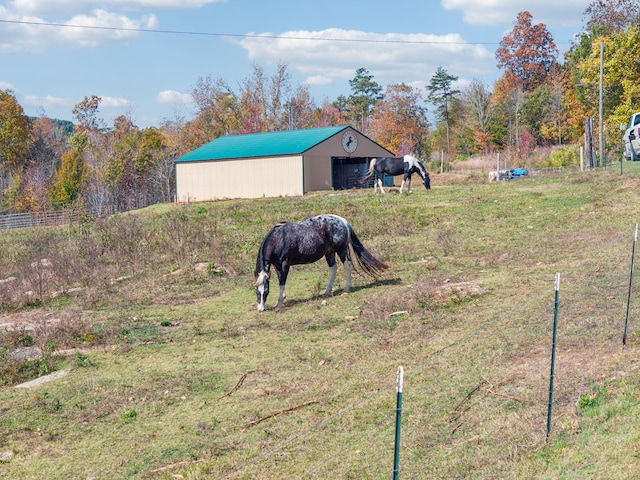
column 299, row 109
column 508, row 97
column 163, row 174
column 572, row 112
column 610, row 16
column 15, row 131
column 400, row 122
column 558, row 126
column 15, row 135
column 528, row 55
column 218, row 108
column 535, row 112
column 119, row 171
column 153, row 163
column 263, row 100
column 49, row 142
column 440, row 94
column 69, row 178
column 527, row 52
column 479, row 112
column 328, row 115
column 621, row 80
column 86, row 113
column 94, row 143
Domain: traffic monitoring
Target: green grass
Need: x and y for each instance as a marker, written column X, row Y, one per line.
column 180, row 375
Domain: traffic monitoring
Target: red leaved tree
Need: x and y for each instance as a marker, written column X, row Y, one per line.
column 527, row 52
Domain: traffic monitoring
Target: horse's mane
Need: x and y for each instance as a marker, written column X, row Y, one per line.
column 267, row 239
column 417, row 163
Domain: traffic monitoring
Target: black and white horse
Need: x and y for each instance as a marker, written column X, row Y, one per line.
column 407, row 166
column 308, row 241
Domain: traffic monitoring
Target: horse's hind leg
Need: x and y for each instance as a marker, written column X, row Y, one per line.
column 346, row 262
column 380, row 184
column 333, row 268
column 347, row 274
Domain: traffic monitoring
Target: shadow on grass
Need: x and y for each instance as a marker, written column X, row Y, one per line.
column 292, row 303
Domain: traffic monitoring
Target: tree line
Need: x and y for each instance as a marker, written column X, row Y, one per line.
column 539, row 100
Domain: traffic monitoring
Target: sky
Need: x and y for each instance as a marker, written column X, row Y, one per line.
column 144, row 57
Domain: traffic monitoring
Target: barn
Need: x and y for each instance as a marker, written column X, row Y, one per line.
column 274, row 164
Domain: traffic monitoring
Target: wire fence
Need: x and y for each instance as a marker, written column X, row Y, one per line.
column 50, row 218
column 447, row 396
column 36, row 219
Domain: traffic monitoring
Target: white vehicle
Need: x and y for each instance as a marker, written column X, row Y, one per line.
column 631, row 138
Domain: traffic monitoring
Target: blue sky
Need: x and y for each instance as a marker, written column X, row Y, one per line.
column 148, row 75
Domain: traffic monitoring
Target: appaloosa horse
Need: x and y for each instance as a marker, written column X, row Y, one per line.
column 407, row 166
column 308, row 241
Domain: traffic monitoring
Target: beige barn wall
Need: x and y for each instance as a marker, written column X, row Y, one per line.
column 317, row 173
column 243, row 178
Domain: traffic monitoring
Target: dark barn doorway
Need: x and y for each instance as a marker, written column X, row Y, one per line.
column 347, row 172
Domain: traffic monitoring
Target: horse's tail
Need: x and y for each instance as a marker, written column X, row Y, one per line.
column 370, row 264
column 372, row 166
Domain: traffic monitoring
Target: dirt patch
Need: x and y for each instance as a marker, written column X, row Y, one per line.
column 27, row 320
column 459, row 290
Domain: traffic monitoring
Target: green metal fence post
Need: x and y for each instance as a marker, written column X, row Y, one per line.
column 633, row 254
column 553, row 355
column 396, row 456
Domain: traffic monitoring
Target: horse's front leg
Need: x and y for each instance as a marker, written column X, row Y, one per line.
column 282, row 280
column 404, row 179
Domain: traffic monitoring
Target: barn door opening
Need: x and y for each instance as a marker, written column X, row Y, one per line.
column 347, row 172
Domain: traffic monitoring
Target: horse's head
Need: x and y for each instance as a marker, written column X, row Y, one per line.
column 262, row 289
column 426, row 181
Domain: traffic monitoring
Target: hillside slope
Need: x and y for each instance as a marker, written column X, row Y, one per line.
column 172, row 371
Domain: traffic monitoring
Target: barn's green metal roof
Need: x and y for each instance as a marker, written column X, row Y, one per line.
column 290, row 142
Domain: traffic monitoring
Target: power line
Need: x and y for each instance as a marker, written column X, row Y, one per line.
column 238, row 35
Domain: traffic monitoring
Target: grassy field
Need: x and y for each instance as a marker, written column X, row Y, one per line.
column 172, row 372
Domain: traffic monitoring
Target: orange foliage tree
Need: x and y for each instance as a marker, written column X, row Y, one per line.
column 399, row 121
column 528, row 52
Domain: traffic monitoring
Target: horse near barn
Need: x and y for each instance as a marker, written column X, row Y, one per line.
column 308, row 241
column 407, row 166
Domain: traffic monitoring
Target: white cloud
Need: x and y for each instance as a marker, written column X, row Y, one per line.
column 6, row 86
column 46, row 102
column 318, row 80
column 332, row 54
column 71, row 7
column 501, row 12
column 38, row 35
column 171, row 97
column 114, row 102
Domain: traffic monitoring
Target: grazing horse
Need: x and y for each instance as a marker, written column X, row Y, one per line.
column 407, row 165
column 308, row 241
